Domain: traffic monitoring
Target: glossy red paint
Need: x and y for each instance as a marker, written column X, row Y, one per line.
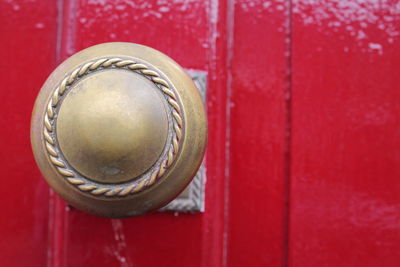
column 193, row 33
column 207, row 239
column 303, row 154
column 345, row 201
column 258, row 143
column 27, row 55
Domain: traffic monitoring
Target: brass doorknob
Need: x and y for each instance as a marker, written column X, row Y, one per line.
column 118, row 130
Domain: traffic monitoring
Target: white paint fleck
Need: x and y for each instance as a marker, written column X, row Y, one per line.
column 39, row 25
column 120, row 250
column 97, row 2
column 163, row 9
column 120, row 7
column 357, row 16
column 152, row 13
column 266, row 4
column 376, row 47
column 361, row 35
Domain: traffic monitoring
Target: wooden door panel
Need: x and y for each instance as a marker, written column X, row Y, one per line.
column 302, row 159
column 186, row 31
column 345, row 201
column 25, row 63
column 200, row 239
column 258, row 143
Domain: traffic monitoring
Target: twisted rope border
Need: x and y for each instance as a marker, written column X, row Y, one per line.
column 92, row 187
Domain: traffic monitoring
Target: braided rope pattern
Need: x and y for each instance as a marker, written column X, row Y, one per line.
column 103, row 189
column 194, row 202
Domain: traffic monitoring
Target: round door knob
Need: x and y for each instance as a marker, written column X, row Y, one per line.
column 118, row 130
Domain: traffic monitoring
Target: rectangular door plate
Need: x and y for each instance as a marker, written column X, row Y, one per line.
column 192, row 198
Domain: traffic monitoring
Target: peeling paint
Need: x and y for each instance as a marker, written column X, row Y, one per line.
column 119, row 249
column 358, row 17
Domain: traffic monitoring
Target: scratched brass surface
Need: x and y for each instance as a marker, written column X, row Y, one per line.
column 118, row 130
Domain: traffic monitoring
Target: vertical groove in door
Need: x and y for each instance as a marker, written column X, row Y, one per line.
column 55, row 233
column 288, row 135
column 57, row 227
column 230, row 24
column 214, row 242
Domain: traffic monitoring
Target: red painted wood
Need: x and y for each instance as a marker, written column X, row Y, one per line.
column 193, row 33
column 257, row 182
column 300, row 93
column 27, row 52
column 345, row 201
column 196, row 240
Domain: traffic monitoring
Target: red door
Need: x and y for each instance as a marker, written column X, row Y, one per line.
column 303, row 159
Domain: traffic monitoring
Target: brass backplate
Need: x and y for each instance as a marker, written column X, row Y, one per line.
column 193, row 197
